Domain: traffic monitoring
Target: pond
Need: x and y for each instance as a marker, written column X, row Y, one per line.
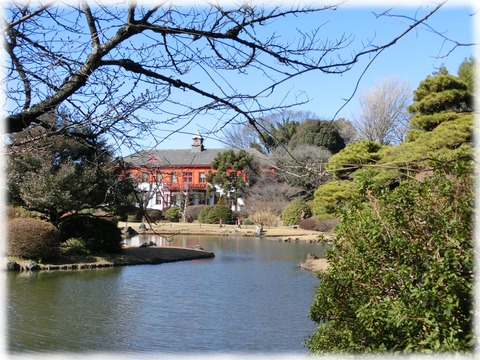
column 252, row 298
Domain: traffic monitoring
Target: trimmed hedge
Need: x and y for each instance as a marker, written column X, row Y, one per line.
column 212, row 214
column 172, row 214
column 202, row 215
column 218, row 212
column 32, row 239
column 97, row 234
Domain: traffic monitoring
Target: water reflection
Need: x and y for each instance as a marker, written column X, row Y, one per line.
column 137, row 240
column 250, row 298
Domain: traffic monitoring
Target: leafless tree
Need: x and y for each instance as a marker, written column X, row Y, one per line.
column 383, row 115
column 302, row 167
column 126, row 70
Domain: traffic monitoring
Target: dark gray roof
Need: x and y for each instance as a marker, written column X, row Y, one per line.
column 181, row 157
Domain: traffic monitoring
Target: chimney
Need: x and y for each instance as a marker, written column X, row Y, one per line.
column 197, row 143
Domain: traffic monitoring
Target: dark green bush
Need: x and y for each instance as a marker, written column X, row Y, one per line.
column 400, row 276
column 132, row 218
column 202, row 215
column 292, row 213
column 212, row 214
column 32, row 239
column 97, row 234
column 75, row 247
column 218, row 212
column 172, row 214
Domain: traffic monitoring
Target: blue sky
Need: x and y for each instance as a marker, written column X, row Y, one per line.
column 412, row 58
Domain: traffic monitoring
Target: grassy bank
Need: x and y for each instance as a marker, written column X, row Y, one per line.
column 171, row 229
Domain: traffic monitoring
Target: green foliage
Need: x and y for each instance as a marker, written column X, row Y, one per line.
column 401, row 270
column 20, row 212
column 292, row 213
column 320, row 133
column 330, row 197
column 202, row 215
column 437, row 94
column 75, row 246
column 248, row 222
column 279, row 133
column 466, row 73
column 448, row 141
column 211, row 214
column 32, row 239
column 61, row 174
column 97, row 234
column 235, row 171
column 172, row 214
column 429, row 122
column 353, row 156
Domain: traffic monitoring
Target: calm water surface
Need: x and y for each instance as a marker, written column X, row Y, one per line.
column 251, row 298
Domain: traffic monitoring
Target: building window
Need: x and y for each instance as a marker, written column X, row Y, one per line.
column 187, row 177
column 158, row 198
column 174, row 178
column 144, row 177
column 202, row 178
column 159, row 178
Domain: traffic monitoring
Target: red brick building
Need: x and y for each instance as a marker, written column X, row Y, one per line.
column 167, row 177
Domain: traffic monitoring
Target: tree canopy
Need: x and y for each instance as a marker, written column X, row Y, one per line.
column 55, row 175
column 233, row 172
column 319, row 133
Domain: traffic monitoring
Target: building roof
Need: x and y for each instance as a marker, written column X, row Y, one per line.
column 182, row 157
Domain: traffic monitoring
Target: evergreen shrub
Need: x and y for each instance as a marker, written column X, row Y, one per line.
column 75, row 247
column 172, row 214
column 97, row 234
column 292, row 213
column 400, row 276
column 202, row 215
column 32, row 239
column 218, row 212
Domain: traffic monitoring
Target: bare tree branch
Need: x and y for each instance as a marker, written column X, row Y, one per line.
column 85, row 59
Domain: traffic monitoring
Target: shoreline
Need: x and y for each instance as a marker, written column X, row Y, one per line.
column 152, row 255
column 130, row 255
column 284, row 233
